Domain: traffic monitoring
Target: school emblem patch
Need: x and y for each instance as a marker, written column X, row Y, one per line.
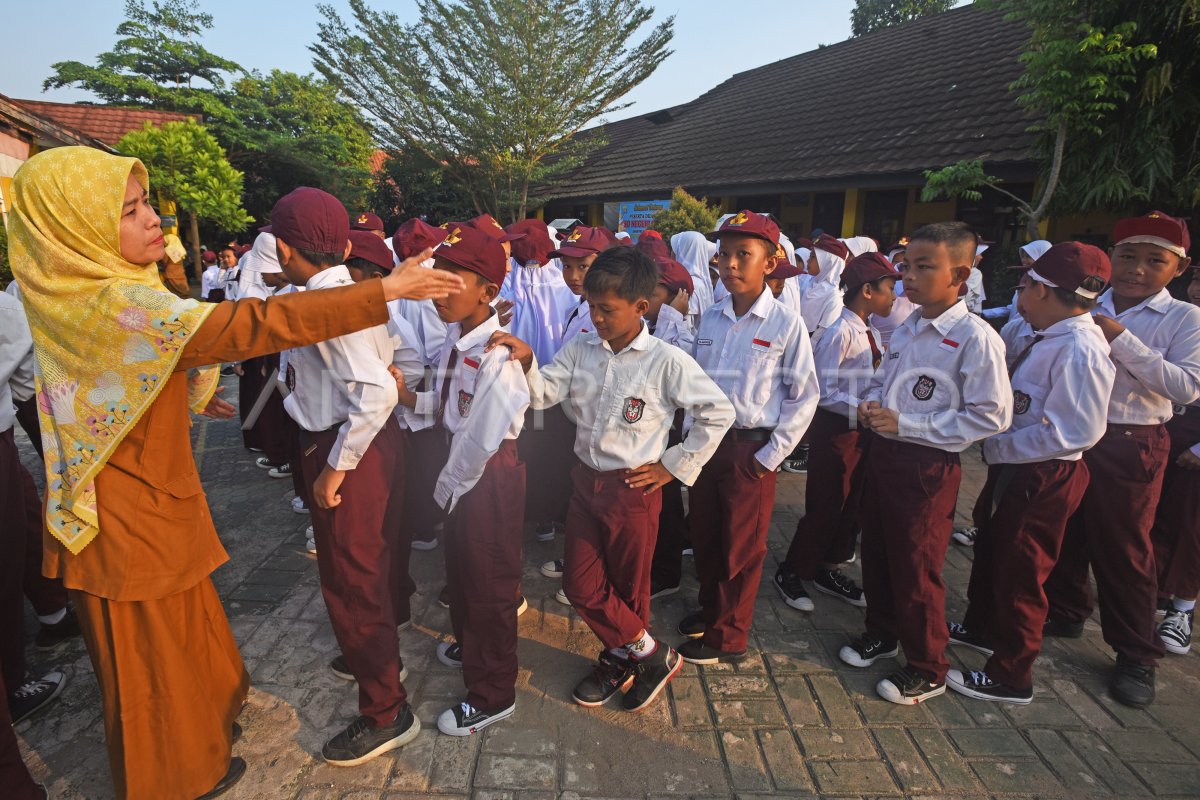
column 633, row 409
column 1021, row 402
column 464, row 403
column 290, row 378
column 923, row 388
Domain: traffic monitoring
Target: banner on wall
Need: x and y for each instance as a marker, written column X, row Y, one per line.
column 635, row 216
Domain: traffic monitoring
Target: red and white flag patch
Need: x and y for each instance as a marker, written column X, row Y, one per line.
column 949, row 344
column 470, row 362
column 760, row 344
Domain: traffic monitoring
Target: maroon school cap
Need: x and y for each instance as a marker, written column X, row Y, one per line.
column 471, row 248
column 369, row 247
column 831, row 245
column 784, row 269
column 1067, row 264
column 208, row 256
column 366, row 221
column 650, row 233
column 1157, row 228
column 310, row 219
column 674, row 275
column 414, row 235
column 653, row 246
column 867, row 268
column 534, row 243
column 486, row 223
column 582, row 242
column 748, row 223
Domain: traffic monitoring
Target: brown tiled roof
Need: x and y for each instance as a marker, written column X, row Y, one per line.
column 884, row 106
column 106, row 123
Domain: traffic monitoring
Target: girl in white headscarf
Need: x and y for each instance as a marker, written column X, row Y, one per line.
column 694, row 251
column 821, row 302
column 857, row 245
column 902, row 307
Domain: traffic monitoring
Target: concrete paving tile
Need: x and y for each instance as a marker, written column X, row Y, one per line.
column 1105, row 763
column 1012, row 777
column 516, row 772
column 690, row 703
column 854, row 778
column 748, row 713
column 798, row 700
column 746, row 768
column 906, row 761
column 786, row 766
column 1170, row 780
column 834, row 701
column 821, row 744
column 991, row 743
column 950, row 767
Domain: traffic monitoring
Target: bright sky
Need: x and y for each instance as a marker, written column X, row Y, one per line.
column 266, row 34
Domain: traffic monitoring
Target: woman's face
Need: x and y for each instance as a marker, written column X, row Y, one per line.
column 141, row 234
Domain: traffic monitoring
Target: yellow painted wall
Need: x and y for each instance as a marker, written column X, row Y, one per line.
column 596, row 215
column 852, row 211
column 1074, row 226
column 918, row 214
column 800, row 216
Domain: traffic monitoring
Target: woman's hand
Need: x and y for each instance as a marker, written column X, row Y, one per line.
column 411, row 281
column 218, row 408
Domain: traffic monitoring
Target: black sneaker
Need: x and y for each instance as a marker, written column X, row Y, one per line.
column 444, row 597
column 236, row 733
column 650, row 675
column 1061, row 629
column 978, row 685
column 965, row 536
column 791, row 589
column 450, row 654
column 692, row 626
column 282, row 471
column 695, row 651
column 907, row 687
column 464, row 719
column 262, row 462
column 51, row 637
column 546, row 531
column 237, row 768
column 1176, row 631
column 961, row 636
column 1164, row 605
column 796, row 466
column 834, row 582
column 340, row 668
column 867, row 649
column 362, row 741
column 661, row 589
column 1132, row 684
column 610, row 675
column 32, row 696
column 424, row 544
column 554, row 569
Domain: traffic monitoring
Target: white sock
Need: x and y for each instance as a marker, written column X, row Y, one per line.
column 1183, row 605
column 619, row 652
column 53, row 619
column 643, row 647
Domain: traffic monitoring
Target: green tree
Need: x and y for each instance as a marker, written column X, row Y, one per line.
column 282, row 130
column 410, row 185
column 869, row 16
column 188, row 165
column 686, row 213
column 5, row 269
column 1075, row 76
column 496, row 90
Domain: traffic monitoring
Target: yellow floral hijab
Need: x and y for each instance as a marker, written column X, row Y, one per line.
column 106, row 333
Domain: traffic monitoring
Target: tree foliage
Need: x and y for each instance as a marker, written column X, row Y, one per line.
column 495, row 90
column 410, row 185
column 282, row 130
column 1076, row 76
column 5, row 267
column 686, row 213
column 869, row 16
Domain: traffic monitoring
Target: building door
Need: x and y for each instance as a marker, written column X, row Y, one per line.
column 883, row 215
column 827, row 212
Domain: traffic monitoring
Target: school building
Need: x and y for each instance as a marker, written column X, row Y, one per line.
column 838, row 138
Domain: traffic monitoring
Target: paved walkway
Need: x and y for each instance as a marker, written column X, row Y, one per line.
column 793, row 721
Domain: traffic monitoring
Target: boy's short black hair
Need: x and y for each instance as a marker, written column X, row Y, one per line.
column 321, row 260
column 959, row 237
column 368, row 267
column 625, row 271
column 1075, row 301
column 855, row 291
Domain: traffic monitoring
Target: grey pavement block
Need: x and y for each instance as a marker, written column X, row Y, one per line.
column 1170, row 779
column 877, row 711
column 284, row 579
column 949, row 711
column 690, row 703
column 827, row 743
column 950, row 767
column 1046, row 711
column 906, row 761
column 746, row 768
column 1148, row 746
column 991, row 743
column 834, row 701
column 854, row 778
column 739, row 686
column 1105, row 763
column 515, row 772
column 784, row 761
column 1012, row 777
column 1073, row 773
column 1094, row 715
column 748, row 713
column 511, row 739
column 798, row 700
column 453, row 762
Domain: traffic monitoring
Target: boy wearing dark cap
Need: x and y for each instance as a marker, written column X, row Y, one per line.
column 846, row 355
column 368, row 222
column 1036, row 475
column 942, row 387
column 1155, row 343
column 758, row 352
column 480, row 398
column 342, row 398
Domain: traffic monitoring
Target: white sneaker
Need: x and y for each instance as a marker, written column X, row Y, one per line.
column 561, row 597
column 311, row 544
column 965, row 536
column 1175, row 631
column 523, row 606
column 298, row 505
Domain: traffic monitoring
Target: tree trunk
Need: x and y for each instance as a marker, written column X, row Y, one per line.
column 194, row 233
column 1039, row 211
column 524, row 200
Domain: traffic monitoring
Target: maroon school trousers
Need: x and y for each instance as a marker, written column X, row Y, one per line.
column 1015, row 551
column 483, row 573
column 907, row 513
column 427, row 454
column 611, row 530
column 730, row 514
column 666, row 568
column 14, row 775
column 547, row 446
column 12, row 565
column 830, row 520
column 250, row 384
column 46, row 595
column 356, row 544
column 1176, row 533
column 1111, row 531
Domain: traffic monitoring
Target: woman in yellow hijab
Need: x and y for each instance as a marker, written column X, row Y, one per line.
column 131, row 536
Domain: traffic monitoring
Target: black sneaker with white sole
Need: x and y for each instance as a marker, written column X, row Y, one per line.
column 464, row 719
column 1132, row 684
column 791, row 589
column 32, row 696
column 907, row 687
column 362, row 741
column 867, row 649
column 444, row 597
column 965, row 536
column 554, row 569
column 424, row 544
column 650, row 676
column 837, row 584
column 610, row 676
column 978, row 685
column 1176, row 631
column 658, row 589
column 450, row 654
column 692, row 626
column 281, row 471
column 1162, row 607
column 546, row 530
column 959, row 635
column 695, row 651
column 522, row 606
column 340, row 668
